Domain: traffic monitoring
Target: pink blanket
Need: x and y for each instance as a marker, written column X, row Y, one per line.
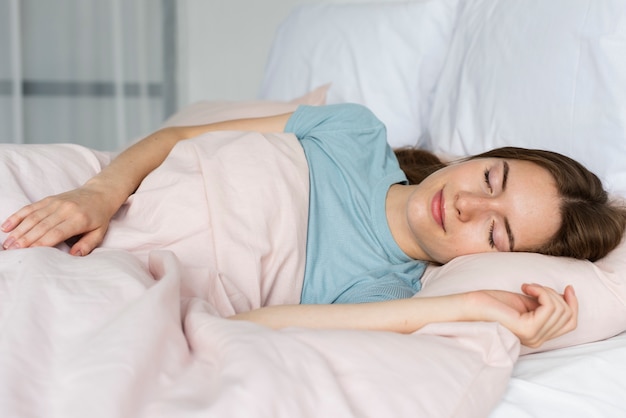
column 136, row 329
column 233, row 208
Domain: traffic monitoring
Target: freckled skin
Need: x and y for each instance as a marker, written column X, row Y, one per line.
column 477, row 205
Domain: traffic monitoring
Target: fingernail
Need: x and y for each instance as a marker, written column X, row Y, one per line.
column 5, row 225
column 7, row 244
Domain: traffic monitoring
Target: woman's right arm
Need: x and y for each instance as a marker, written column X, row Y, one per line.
column 87, row 210
column 535, row 317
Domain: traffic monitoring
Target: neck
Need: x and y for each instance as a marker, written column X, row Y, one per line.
column 396, row 206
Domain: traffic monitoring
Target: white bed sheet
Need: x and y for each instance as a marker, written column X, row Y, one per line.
column 584, row 381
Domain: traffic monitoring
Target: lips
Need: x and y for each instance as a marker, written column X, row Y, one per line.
column 436, row 207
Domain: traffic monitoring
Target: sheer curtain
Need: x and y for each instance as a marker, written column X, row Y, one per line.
column 94, row 72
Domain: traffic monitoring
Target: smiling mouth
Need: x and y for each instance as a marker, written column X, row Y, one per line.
column 437, row 209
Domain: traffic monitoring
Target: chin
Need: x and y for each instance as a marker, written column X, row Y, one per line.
column 443, row 260
column 436, row 261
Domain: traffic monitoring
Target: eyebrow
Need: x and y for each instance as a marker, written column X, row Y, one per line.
column 507, row 225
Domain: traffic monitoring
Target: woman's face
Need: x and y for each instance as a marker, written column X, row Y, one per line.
column 484, row 205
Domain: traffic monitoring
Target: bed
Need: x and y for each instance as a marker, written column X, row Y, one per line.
column 137, row 328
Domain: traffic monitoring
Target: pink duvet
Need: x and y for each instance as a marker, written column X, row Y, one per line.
column 136, row 329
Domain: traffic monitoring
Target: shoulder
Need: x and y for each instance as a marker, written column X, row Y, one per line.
column 353, row 109
column 336, row 117
column 355, row 113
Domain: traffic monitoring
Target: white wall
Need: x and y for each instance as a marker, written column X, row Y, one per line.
column 223, row 46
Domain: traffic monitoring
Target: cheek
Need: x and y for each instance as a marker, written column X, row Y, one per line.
column 465, row 239
column 468, row 242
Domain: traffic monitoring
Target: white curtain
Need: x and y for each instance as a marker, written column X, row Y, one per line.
column 94, row 72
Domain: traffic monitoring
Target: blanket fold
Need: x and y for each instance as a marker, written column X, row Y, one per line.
column 136, row 328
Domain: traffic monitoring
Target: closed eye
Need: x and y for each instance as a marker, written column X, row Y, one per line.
column 492, row 243
column 487, row 180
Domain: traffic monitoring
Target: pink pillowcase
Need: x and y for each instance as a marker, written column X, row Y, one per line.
column 600, row 286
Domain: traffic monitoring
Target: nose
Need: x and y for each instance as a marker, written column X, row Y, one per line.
column 469, row 206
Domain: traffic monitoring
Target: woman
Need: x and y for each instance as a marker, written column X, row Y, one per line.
column 370, row 234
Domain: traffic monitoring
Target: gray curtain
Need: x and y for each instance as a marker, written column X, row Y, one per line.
column 100, row 73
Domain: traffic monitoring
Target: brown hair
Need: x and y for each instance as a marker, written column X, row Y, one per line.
column 417, row 164
column 592, row 225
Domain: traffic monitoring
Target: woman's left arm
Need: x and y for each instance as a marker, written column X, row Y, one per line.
column 535, row 317
column 87, row 210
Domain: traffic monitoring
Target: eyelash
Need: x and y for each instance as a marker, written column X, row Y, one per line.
column 487, row 179
column 492, row 243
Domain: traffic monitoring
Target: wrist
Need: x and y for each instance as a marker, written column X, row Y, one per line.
column 471, row 306
column 112, row 194
column 447, row 308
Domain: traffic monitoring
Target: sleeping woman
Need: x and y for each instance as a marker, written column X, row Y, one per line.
column 377, row 218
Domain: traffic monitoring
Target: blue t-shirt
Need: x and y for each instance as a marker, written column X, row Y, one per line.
column 351, row 254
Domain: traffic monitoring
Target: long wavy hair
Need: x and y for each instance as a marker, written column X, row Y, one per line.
column 592, row 224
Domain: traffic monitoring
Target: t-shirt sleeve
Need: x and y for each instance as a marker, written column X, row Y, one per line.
column 385, row 288
column 314, row 122
column 345, row 139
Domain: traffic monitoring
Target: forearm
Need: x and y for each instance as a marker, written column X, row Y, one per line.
column 86, row 211
column 402, row 315
column 122, row 177
column 534, row 317
column 124, row 174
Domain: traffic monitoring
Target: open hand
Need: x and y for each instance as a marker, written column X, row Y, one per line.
column 84, row 212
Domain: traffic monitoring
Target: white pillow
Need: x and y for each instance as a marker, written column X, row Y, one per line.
column 537, row 74
column 387, row 56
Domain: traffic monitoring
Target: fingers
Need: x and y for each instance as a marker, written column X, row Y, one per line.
column 529, row 303
column 84, row 212
column 556, row 315
column 23, row 226
column 16, row 219
column 571, row 300
column 46, row 223
column 570, row 297
column 34, row 225
column 87, row 243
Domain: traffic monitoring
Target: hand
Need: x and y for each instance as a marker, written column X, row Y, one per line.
column 85, row 211
column 535, row 317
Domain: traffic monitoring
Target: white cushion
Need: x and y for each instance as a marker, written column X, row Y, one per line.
column 537, row 74
column 387, row 56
